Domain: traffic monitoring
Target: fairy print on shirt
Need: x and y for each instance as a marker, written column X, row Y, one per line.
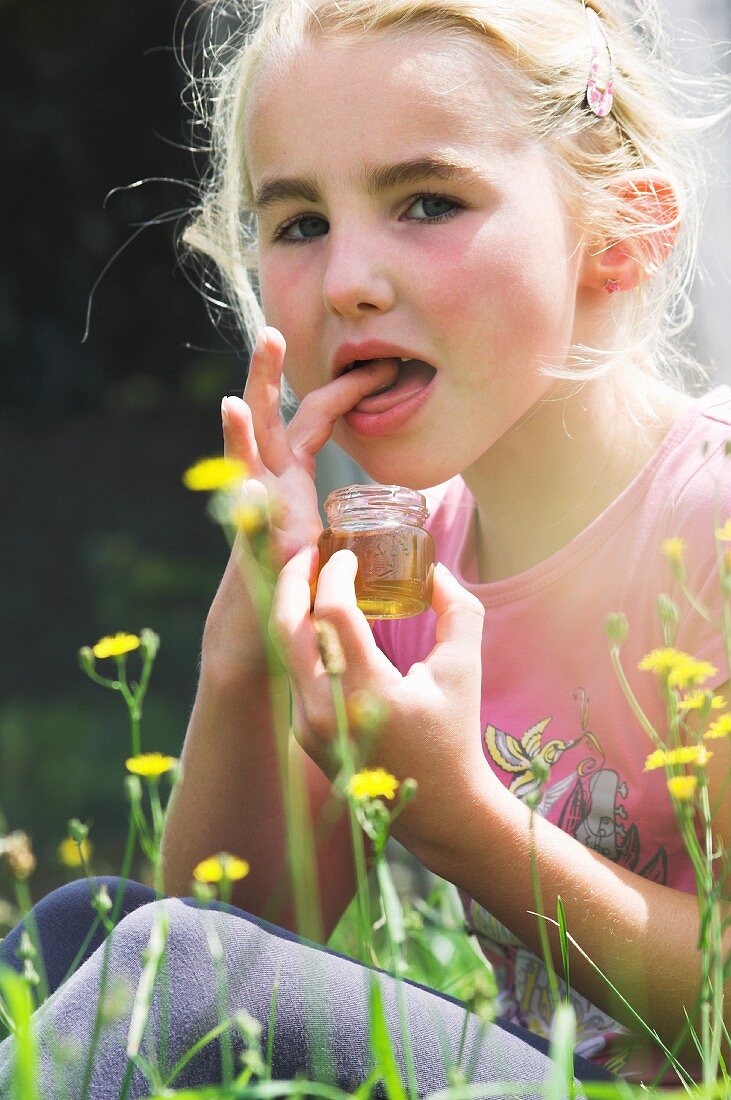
column 591, row 795
column 588, row 802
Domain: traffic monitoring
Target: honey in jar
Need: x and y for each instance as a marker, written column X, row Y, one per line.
column 384, row 527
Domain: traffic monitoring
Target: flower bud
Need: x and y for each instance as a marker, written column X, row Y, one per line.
column 133, row 789
column 330, row 648
column 102, row 901
column 117, row 1001
column 86, row 659
column 540, row 769
column 30, row 973
column 149, row 643
column 202, row 891
column 366, row 711
column 19, row 855
column 77, row 830
column 25, row 949
column 408, row 791
column 249, row 1027
column 668, row 610
column 617, row 627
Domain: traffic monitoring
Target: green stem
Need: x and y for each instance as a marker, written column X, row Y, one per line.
column 25, row 904
column 158, row 822
column 396, row 964
column 134, row 718
column 638, row 711
column 114, row 916
column 356, row 833
column 711, row 954
column 542, row 931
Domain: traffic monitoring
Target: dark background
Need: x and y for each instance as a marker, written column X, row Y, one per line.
column 97, row 533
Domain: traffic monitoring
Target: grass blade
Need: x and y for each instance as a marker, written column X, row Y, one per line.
column 19, row 1001
column 381, row 1045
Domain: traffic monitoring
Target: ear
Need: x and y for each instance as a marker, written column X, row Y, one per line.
column 651, row 199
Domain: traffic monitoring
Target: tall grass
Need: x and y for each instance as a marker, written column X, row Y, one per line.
column 420, row 938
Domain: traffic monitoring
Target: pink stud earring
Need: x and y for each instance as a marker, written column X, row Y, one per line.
column 612, row 286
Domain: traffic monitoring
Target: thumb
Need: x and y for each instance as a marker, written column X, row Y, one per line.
column 460, row 620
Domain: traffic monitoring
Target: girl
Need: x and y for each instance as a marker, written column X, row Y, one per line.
column 503, row 194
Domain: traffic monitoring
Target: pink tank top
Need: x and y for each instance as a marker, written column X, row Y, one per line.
column 549, row 690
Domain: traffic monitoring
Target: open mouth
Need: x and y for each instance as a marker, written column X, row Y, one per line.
column 413, row 375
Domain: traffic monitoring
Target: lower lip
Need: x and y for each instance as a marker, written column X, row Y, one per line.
column 385, row 423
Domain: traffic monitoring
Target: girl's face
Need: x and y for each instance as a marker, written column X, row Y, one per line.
column 476, row 274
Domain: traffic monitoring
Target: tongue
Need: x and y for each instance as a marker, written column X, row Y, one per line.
column 412, row 377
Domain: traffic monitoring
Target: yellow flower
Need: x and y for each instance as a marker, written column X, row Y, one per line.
column 249, row 518
column 150, row 763
column 689, row 673
column 373, row 783
column 69, row 854
column 673, row 550
column 687, row 754
column 723, row 534
column 662, row 661
column 694, row 701
column 115, row 646
column 683, row 787
column 697, row 699
column 720, row 728
column 209, row 474
column 221, row 866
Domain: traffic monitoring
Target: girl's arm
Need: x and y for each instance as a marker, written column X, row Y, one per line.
column 642, row 935
column 228, row 797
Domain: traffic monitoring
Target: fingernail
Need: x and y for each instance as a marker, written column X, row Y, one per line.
column 224, row 413
column 260, row 342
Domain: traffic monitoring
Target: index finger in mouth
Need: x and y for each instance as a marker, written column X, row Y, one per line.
column 321, row 408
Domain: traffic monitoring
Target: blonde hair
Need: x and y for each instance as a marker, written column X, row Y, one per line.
column 543, row 47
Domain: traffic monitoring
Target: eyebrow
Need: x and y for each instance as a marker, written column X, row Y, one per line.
column 375, row 179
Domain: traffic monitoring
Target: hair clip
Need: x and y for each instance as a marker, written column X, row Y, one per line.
column 600, row 87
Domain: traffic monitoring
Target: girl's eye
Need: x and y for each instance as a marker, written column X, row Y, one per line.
column 308, row 223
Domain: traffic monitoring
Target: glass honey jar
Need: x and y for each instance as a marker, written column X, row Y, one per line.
column 384, row 527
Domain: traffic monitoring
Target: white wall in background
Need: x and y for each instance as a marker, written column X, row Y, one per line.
column 710, row 20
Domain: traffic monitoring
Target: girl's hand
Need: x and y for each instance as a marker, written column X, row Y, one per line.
column 432, row 730
column 281, row 463
column 282, row 459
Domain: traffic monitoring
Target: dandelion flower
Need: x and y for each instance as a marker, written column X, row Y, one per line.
column 221, row 866
column 250, row 519
column 682, row 787
column 210, row 474
column 694, row 701
column 69, row 854
column 673, row 550
column 115, row 646
column 373, row 783
column 661, row 661
column 690, row 673
column 723, row 534
column 150, row 764
column 687, row 754
column 720, row 728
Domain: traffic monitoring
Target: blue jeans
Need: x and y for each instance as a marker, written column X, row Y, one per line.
column 322, row 1013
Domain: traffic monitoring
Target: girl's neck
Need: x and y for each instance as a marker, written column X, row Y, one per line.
column 561, row 466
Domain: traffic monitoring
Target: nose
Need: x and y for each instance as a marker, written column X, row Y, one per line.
column 357, row 278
